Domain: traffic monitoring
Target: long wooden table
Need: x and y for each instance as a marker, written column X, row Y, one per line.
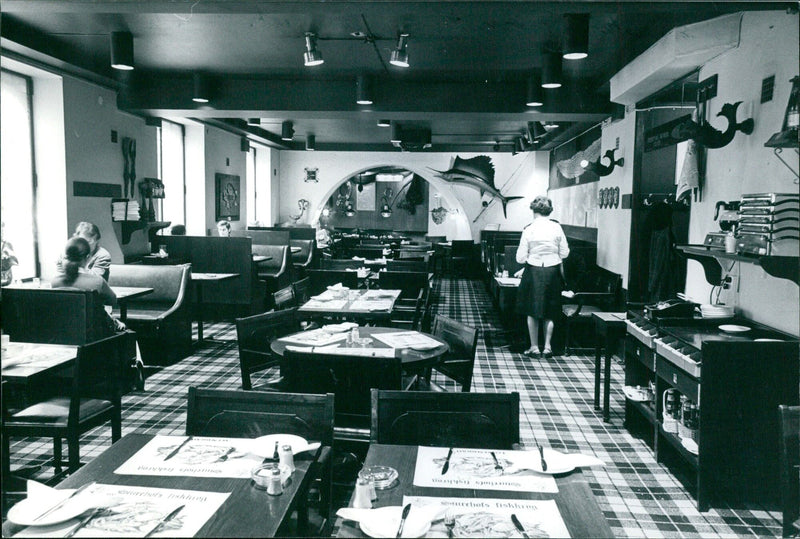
column 329, row 308
column 575, row 501
column 26, row 365
column 248, row 511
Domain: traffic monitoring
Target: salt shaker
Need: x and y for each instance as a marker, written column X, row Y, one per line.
column 275, row 487
column 286, row 457
column 362, row 497
column 353, row 338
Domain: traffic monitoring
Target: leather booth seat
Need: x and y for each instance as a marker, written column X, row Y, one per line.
column 276, row 271
column 303, row 259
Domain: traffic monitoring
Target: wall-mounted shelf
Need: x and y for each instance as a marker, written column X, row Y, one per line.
column 124, row 229
column 783, row 267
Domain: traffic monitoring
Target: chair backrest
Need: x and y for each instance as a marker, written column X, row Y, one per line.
column 250, row 414
column 463, row 342
column 349, row 378
column 789, row 456
column 462, row 248
column 264, row 237
column 99, row 370
column 435, row 239
column 408, row 282
column 284, row 298
column 255, row 334
column 170, row 284
column 407, row 265
column 485, row 420
column 306, row 252
column 321, row 279
column 54, row 316
column 302, row 290
column 367, row 252
column 341, row 263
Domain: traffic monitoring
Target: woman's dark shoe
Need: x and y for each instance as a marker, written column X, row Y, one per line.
column 547, row 353
column 531, row 352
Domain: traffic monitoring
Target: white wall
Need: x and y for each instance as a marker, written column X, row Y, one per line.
column 524, row 174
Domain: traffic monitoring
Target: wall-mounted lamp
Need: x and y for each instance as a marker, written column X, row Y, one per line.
column 287, row 130
column 575, row 45
column 312, row 57
column 399, row 55
column 122, row 50
column 603, row 170
column 201, row 87
column 386, row 210
column 534, row 94
column 349, row 211
column 364, row 89
column 551, row 69
column 311, row 142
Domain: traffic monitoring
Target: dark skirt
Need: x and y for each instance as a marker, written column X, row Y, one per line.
column 539, row 292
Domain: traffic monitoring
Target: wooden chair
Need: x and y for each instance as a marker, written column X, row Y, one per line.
column 254, row 335
column 321, row 279
column 250, row 414
column 284, row 298
column 93, row 399
column 459, row 363
column 460, row 255
column 596, row 290
column 408, row 282
column 438, row 257
column 789, row 456
column 481, row 420
column 407, row 314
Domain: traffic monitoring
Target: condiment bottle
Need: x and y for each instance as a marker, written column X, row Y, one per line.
column 275, row 487
column 286, row 457
column 362, row 496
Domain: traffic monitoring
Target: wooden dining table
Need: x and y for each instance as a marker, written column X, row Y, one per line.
column 200, row 279
column 126, row 293
column 575, row 501
column 247, row 512
column 25, row 365
column 353, row 306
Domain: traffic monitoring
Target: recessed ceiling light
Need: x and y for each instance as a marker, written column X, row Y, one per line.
column 312, row 57
column 384, row 123
column 363, row 90
column 201, row 87
column 399, row 55
column 551, row 69
column 575, row 44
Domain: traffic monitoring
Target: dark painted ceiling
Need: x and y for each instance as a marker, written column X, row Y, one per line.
column 466, row 83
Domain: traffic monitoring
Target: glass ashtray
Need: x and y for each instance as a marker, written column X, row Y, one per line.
column 382, row 477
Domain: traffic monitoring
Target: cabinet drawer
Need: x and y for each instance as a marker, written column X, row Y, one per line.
column 637, row 350
column 677, row 378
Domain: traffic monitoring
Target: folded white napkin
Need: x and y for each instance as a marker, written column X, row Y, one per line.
column 338, row 286
column 557, row 462
column 41, row 498
column 384, row 521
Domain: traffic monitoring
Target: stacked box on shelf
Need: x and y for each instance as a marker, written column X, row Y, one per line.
column 769, row 224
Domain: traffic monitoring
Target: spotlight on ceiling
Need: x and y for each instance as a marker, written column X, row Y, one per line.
column 312, row 57
column 575, row 45
column 535, row 97
column 201, row 88
column 364, row 89
column 397, row 133
column 535, row 131
column 551, row 69
column 550, row 124
column 399, row 55
column 311, row 142
column 254, row 122
column 122, row 50
column 384, row 123
column 287, row 130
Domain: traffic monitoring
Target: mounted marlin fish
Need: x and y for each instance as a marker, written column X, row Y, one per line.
column 477, row 172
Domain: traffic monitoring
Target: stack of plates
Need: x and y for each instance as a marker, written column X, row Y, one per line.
column 716, row 311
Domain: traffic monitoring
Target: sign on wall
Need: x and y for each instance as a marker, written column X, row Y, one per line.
column 365, row 198
column 228, row 197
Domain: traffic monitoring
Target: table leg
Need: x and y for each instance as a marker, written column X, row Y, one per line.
column 597, row 349
column 607, row 380
column 123, row 311
column 199, row 290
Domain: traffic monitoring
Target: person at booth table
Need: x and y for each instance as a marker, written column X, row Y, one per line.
column 224, row 228
column 542, row 248
column 99, row 260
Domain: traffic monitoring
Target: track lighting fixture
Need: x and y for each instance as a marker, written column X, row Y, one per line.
column 254, row 122
column 122, row 50
column 535, row 97
column 312, row 57
column 311, row 142
column 575, row 44
column 201, row 88
column 364, row 89
column 535, row 131
column 551, row 69
column 399, row 55
column 287, row 130
column 550, row 124
column 397, row 133
column 384, row 123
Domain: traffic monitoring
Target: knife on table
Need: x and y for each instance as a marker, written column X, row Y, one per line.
column 541, row 455
column 406, row 511
column 86, row 520
column 60, row 504
column 166, row 519
column 175, row 451
column 519, row 526
column 447, row 462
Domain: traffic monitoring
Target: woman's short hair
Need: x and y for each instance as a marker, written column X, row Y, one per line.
column 87, row 229
column 178, row 230
column 75, row 253
column 542, row 205
column 224, row 223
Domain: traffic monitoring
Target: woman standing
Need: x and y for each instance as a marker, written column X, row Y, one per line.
column 542, row 247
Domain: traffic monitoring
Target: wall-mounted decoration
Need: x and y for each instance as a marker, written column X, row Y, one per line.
column 365, row 197
column 228, row 197
column 477, row 172
column 129, row 166
column 565, row 160
column 311, row 175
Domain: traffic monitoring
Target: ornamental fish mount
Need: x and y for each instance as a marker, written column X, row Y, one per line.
column 476, row 172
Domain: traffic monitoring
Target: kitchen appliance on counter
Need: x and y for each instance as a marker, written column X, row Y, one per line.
column 671, row 308
column 769, row 224
column 726, row 214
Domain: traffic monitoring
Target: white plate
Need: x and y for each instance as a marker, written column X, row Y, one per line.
column 265, row 445
column 556, row 462
column 733, row 328
column 424, row 347
column 388, row 525
column 690, row 445
column 636, row 395
column 26, row 511
column 764, row 339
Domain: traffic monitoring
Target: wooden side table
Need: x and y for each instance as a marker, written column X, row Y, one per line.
column 608, row 329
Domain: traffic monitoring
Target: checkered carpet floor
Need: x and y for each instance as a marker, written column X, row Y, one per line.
column 639, row 496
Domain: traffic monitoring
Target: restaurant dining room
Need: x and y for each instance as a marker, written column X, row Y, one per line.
column 400, row 269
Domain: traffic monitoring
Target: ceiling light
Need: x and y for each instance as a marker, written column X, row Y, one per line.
column 312, row 57
column 122, row 50
column 287, row 130
column 535, row 98
column 575, row 44
column 364, row 90
column 311, row 142
column 254, row 122
column 397, row 133
column 399, row 56
column 550, row 124
column 551, row 69
column 384, row 123
column 201, row 88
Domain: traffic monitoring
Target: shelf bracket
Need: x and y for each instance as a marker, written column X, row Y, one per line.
column 777, row 152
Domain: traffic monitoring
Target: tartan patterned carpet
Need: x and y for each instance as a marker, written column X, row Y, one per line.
column 639, row 496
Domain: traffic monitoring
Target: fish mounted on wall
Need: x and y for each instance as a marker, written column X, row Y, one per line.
column 477, row 172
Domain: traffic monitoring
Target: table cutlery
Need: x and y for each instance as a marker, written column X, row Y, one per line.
column 497, row 465
column 449, row 523
column 60, row 504
column 403, row 517
column 177, row 449
column 541, row 455
column 96, row 512
column 447, row 461
column 224, row 457
column 519, row 526
column 164, row 520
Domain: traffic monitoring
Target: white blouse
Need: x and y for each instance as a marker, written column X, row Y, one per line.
column 543, row 243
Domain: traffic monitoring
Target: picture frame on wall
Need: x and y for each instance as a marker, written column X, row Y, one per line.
column 228, row 197
column 365, row 197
